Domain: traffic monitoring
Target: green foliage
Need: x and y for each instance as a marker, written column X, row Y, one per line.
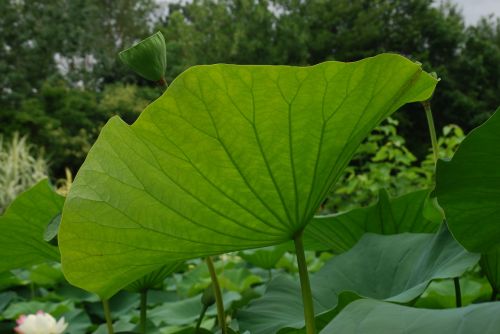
column 52, row 70
column 20, row 168
column 340, row 232
column 126, row 101
column 81, row 44
column 74, row 117
column 58, row 113
column 383, row 161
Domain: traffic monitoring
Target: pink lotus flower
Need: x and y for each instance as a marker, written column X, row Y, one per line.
column 40, row 323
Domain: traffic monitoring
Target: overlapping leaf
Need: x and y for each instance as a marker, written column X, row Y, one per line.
column 340, row 232
column 371, row 316
column 393, row 268
column 468, row 188
column 490, row 263
column 229, row 158
column 23, row 226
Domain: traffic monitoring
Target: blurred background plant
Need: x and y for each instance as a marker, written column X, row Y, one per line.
column 384, row 161
column 21, row 166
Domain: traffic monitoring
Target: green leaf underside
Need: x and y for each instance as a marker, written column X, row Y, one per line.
column 23, row 226
column 468, row 188
column 229, row 158
column 340, row 232
column 393, row 268
column 371, row 316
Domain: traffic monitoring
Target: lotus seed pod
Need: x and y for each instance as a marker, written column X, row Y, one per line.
column 148, row 58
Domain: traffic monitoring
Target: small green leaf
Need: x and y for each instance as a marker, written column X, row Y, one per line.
column 468, row 188
column 340, row 232
column 266, row 257
column 371, row 316
column 228, row 158
column 52, row 228
column 23, row 226
column 148, row 58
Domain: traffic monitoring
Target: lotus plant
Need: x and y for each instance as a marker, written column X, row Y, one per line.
column 40, row 323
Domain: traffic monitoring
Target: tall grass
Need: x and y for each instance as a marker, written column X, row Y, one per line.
column 21, row 166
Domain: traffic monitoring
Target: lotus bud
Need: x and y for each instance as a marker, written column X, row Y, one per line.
column 208, row 297
column 148, row 58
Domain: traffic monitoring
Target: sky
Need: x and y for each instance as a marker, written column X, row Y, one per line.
column 474, row 9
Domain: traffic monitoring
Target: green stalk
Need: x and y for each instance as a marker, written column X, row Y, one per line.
column 218, row 295
column 432, row 129
column 107, row 315
column 458, row 293
column 144, row 310
column 494, row 295
column 305, row 285
column 162, row 83
column 200, row 319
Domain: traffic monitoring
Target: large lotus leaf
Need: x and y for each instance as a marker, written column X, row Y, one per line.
column 229, row 158
column 340, row 232
column 393, row 268
column 23, row 226
column 371, row 316
column 468, row 188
